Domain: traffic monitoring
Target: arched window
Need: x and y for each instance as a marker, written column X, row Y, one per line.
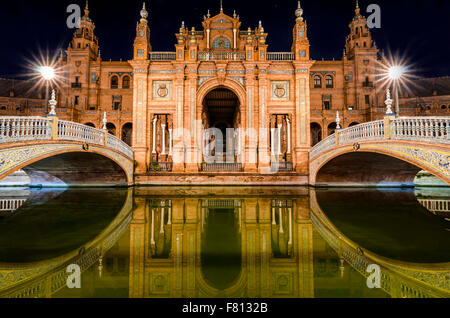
column 126, row 82
column 114, row 82
column 443, row 107
column 221, row 43
column 317, row 81
column 329, row 81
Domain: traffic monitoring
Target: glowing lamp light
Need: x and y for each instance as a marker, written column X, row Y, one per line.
column 395, row 72
column 47, row 72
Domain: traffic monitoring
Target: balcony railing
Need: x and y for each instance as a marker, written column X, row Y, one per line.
column 281, row 167
column 161, row 167
column 222, row 167
column 221, row 56
column 280, row 56
column 76, row 85
column 163, row 56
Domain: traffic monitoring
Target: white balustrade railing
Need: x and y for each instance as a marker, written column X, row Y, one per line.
column 221, row 56
column 10, row 205
column 76, row 132
column 117, row 144
column 431, row 129
column 322, row 146
column 17, row 129
column 368, row 131
column 427, row 129
column 280, row 56
column 436, row 205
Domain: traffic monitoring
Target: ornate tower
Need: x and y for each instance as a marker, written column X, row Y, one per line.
column 84, row 38
column 142, row 46
column 300, row 44
column 360, row 64
column 140, row 64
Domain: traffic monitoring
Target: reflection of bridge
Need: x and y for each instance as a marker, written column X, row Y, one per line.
column 68, row 152
column 389, row 151
column 43, row 279
column 399, row 279
column 8, row 206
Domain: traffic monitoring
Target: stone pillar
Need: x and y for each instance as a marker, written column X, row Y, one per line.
column 302, row 143
column 263, row 129
column 140, row 113
column 178, row 136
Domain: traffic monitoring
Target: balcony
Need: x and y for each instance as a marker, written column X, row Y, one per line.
column 222, row 167
column 161, row 167
column 221, row 56
column 281, row 167
column 280, row 56
column 368, row 84
column 76, row 85
column 163, row 56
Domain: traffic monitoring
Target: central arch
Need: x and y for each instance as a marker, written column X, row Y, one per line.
column 221, row 106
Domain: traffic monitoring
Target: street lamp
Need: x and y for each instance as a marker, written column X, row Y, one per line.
column 395, row 74
column 48, row 74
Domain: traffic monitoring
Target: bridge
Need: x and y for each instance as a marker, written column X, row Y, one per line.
column 57, row 153
column 388, row 152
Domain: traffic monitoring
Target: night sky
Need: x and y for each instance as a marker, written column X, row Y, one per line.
column 418, row 29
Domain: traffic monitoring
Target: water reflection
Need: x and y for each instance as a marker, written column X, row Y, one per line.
column 244, row 242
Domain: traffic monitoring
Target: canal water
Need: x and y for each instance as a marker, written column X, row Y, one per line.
column 225, row 242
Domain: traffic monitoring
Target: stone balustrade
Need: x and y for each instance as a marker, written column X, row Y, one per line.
column 425, row 129
column 280, row 56
column 221, row 56
column 163, row 56
column 20, row 129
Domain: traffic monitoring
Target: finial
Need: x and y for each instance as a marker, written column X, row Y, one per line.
column 357, row 4
column 208, row 15
column 53, row 103
column 260, row 24
column 338, row 121
column 182, row 25
column 221, row 5
column 144, row 12
column 299, row 11
column 86, row 8
column 105, row 121
column 388, row 103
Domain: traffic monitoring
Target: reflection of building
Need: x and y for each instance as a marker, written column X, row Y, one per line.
column 221, row 247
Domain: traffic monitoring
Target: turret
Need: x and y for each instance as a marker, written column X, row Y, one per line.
column 142, row 46
column 300, row 45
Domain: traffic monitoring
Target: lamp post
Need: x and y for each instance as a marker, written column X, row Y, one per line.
column 48, row 74
column 395, row 74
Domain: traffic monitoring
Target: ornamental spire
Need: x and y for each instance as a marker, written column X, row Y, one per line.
column 86, row 9
column 144, row 13
column 299, row 12
column 221, row 6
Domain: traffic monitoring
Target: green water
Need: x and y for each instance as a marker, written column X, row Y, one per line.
column 219, row 242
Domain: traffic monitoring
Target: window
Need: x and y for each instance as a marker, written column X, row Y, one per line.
column 141, row 33
column 77, row 79
column 117, row 102
column 140, row 53
column 221, row 43
column 326, row 105
column 114, row 82
column 317, row 81
column 327, row 102
column 93, row 78
column 443, row 107
column 126, row 82
column 77, row 100
column 367, row 98
column 329, row 81
column 302, row 53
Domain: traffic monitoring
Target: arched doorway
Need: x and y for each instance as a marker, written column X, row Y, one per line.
column 353, row 124
column 331, row 129
column 316, row 134
column 111, row 128
column 90, row 125
column 221, row 119
column 127, row 131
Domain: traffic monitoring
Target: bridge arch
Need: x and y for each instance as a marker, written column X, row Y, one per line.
column 383, row 153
